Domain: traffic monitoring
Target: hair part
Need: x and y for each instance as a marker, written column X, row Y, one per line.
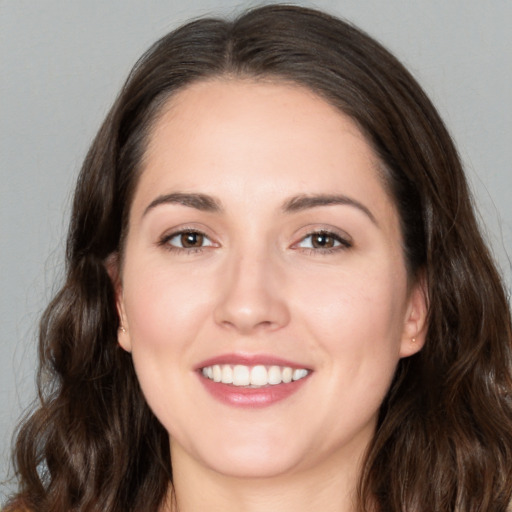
column 93, row 444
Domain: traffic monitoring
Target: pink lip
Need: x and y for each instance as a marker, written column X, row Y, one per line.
column 238, row 396
column 250, row 397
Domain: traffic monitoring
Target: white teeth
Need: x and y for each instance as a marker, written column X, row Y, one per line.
column 274, row 375
column 253, row 376
column 287, row 374
column 299, row 373
column 217, row 373
column 259, row 376
column 227, row 374
column 241, row 375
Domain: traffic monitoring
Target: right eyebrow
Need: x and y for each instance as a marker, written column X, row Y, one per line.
column 201, row 202
column 305, row 202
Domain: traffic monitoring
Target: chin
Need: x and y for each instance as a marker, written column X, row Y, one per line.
column 254, row 457
column 238, row 465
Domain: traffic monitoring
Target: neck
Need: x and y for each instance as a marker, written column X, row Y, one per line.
column 331, row 488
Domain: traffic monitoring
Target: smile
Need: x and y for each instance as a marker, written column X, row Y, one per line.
column 253, row 376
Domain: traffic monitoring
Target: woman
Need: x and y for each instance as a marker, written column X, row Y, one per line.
column 277, row 295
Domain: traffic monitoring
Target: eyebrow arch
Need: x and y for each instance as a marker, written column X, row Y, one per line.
column 201, row 202
column 304, row 202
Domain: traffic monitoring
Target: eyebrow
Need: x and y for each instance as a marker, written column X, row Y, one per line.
column 305, row 202
column 206, row 203
column 201, row 202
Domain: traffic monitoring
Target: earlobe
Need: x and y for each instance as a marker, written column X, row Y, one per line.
column 123, row 339
column 416, row 320
column 112, row 266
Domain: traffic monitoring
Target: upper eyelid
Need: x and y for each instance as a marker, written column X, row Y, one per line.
column 325, row 230
column 343, row 242
column 172, row 233
column 188, row 228
column 326, row 233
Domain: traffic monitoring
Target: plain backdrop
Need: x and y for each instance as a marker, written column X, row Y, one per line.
column 62, row 63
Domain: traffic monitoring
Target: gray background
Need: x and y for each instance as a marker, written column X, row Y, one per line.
column 62, row 62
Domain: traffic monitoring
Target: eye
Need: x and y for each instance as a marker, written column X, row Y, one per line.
column 186, row 240
column 324, row 241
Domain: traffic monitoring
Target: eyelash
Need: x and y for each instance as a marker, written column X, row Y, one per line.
column 164, row 241
column 343, row 243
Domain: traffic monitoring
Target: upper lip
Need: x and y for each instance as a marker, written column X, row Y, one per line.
column 250, row 360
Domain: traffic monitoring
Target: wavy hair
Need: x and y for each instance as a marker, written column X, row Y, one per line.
column 444, row 436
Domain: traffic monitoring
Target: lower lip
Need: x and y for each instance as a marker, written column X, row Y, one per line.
column 238, row 396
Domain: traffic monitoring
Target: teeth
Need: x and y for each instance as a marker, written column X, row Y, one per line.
column 299, row 373
column 217, row 373
column 287, row 374
column 227, row 374
column 253, row 376
column 241, row 375
column 275, row 375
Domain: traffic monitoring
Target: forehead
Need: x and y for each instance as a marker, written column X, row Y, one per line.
column 261, row 105
column 243, row 136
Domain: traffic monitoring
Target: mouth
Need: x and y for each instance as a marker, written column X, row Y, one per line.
column 248, row 381
column 257, row 376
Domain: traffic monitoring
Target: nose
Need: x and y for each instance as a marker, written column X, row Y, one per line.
column 252, row 296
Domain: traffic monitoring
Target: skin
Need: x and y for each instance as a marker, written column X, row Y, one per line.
column 256, row 285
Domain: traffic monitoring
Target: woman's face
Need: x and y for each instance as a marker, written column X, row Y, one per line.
column 263, row 247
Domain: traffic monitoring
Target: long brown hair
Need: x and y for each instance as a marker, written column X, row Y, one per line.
column 444, row 435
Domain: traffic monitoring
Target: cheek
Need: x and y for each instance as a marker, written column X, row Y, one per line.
column 355, row 316
column 163, row 305
column 162, row 308
column 370, row 300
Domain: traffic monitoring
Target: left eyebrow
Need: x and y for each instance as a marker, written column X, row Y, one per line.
column 305, row 202
column 201, row 202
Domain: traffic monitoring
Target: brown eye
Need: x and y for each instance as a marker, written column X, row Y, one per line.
column 191, row 240
column 186, row 240
column 322, row 241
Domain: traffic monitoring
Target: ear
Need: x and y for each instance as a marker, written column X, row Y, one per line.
column 113, row 266
column 416, row 319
